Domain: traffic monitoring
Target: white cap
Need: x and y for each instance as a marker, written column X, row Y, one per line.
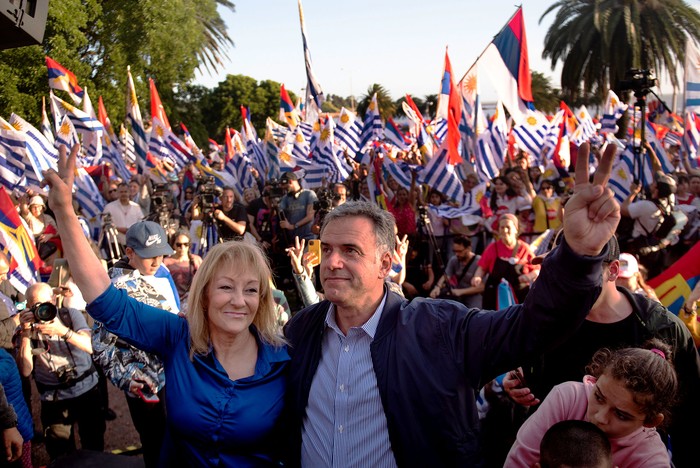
column 628, row 265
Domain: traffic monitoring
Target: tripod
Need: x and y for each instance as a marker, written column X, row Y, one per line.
column 209, row 236
column 427, row 228
column 108, row 241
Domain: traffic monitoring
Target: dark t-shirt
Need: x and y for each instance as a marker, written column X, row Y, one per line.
column 568, row 362
column 237, row 214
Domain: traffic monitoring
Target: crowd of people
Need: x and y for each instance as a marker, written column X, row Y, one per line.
column 283, row 325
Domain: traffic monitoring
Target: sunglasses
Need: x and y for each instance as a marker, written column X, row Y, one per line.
column 182, row 244
column 112, row 190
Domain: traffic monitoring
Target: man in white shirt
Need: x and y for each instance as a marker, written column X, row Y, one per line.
column 124, row 212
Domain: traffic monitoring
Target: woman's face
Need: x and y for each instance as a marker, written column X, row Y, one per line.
column 435, row 199
column 515, row 181
column 402, row 196
column 182, row 244
column 507, row 230
column 393, row 185
column 36, row 210
column 612, row 408
column 547, row 190
column 500, row 187
column 233, row 297
column 249, row 195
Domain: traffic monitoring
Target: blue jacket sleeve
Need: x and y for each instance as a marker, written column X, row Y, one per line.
column 488, row 343
column 148, row 328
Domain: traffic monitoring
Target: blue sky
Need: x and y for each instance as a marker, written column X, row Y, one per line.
column 399, row 44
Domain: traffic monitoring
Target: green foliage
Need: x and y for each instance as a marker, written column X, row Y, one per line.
column 598, row 41
column 97, row 39
column 387, row 107
column 545, row 96
column 220, row 107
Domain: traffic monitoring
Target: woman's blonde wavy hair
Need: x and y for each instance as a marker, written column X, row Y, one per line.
column 246, row 257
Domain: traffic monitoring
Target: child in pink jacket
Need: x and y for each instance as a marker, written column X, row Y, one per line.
column 628, row 394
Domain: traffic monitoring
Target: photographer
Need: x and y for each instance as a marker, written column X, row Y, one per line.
column 297, row 208
column 231, row 218
column 55, row 347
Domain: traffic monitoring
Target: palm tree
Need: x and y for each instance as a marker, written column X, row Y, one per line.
column 598, row 41
column 546, row 97
column 387, row 107
column 216, row 38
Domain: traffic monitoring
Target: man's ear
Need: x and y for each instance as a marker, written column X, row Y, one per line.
column 613, row 270
column 385, row 264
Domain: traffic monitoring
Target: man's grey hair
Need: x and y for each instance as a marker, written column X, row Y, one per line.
column 382, row 221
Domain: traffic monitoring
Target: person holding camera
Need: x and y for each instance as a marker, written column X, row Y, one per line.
column 55, row 347
column 231, row 218
column 296, row 209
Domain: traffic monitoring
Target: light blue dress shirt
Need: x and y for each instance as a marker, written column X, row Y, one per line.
column 345, row 425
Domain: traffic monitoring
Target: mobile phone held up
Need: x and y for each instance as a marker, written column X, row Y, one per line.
column 147, row 397
column 315, row 248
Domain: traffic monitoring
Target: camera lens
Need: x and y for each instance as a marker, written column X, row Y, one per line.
column 45, row 312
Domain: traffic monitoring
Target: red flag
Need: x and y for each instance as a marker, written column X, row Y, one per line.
column 157, row 109
column 229, row 146
column 454, row 114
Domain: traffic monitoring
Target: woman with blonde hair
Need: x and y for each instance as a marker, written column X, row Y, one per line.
column 225, row 363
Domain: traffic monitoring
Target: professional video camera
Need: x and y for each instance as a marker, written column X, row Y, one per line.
column 638, row 80
column 161, row 196
column 325, row 204
column 208, row 192
column 276, row 191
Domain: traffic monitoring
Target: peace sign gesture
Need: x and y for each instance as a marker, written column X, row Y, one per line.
column 591, row 214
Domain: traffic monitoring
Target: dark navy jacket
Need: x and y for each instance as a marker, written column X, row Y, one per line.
column 431, row 357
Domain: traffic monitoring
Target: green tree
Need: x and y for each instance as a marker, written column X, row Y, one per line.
column 221, row 107
column 98, row 39
column 387, row 107
column 429, row 106
column 546, row 97
column 599, row 40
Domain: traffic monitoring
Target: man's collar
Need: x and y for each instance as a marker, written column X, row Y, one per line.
column 369, row 327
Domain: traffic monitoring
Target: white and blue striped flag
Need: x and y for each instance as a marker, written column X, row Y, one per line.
column 612, row 112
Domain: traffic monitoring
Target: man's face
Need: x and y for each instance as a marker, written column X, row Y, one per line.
column 461, row 252
column 4, row 270
column 133, row 188
column 292, row 186
column 227, row 200
column 39, row 296
column 342, row 192
column 113, row 193
column 145, row 266
column 123, row 193
column 351, row 274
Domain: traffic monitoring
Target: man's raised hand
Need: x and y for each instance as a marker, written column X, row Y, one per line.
column 591, row 214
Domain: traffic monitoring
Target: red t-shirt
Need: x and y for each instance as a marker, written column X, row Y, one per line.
column 523, row 256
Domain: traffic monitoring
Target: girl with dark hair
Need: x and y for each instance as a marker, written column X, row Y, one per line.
column 628, row 394
column 503, row 200
column 182, row 265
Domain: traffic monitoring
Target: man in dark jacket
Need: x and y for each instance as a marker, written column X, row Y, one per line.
column 377, row 381
column 620, row 318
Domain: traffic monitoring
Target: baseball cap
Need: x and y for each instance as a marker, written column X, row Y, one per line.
column 36, row 200
column 148, row 239
column 289, row 176
column 628, row 266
